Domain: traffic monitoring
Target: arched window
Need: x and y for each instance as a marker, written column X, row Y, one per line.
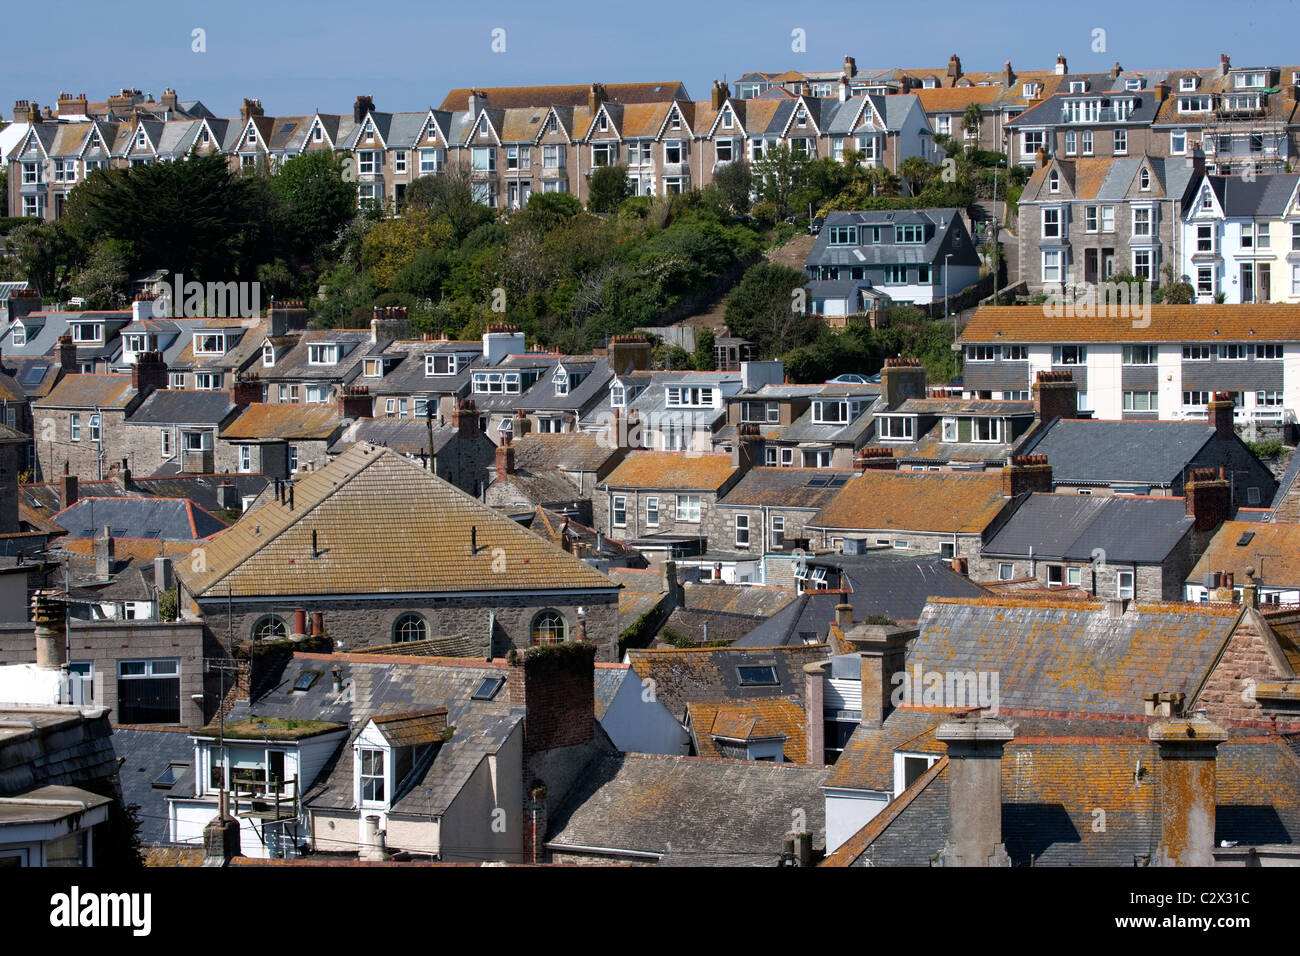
column 269, row 628
column 549, row 628
column 1053, row 182
column 410, row 627
column 1144, row 179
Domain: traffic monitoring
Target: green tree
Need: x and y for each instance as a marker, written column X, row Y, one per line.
column 317, row 201
column 764, row 309
column 778, row 176
column 104, row 280
column 449, row 195
column 735, row 183
column 609, row 187
column 918, row 173
column 706, row 359
column 970, row 120
column 41, row 249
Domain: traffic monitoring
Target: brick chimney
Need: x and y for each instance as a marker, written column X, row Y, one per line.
column 876, row 459
column 1219, row 410
column 596, row 96
column 505, row 457
column 355, row 402
column 954, row 66
column 464, row 418
column 901, row 379
column 1207, row 495
column 882, row 649
column 814, row 701
column 1225, row 64
column 69, row 105
column 247, row 390
column 1188, row 789
column 556, row 688
column 1061, row 67
column 104, row 553
column 1116, row 70
column 249, row 109
column 1160, row 91
column 1008, row 75
column 168, row 100
column 67, row 355
column 68, row 494
column 478, row 100
column 1026, row 473
column 361, row 107
column 1056, row 395
column 745, row 450
column 850, row 67
column 975, row 748
column 1040, row 157
column 149, row 372
column 719, row 95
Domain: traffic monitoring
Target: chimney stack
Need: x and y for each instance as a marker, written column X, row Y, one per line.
column 1207, row 496
column 850, row 67
column 718, row 96
column 373, row 848
column 1056, row 395
column 1225, row 64
column 557, row 692
column 1061, row 67
column 596, row 96
column 954, row 66
column 814, row 699
column 361, row 108
column 1220, row 410
column 844, row 617
column 355, row 402
column 67, row 354
column 49, row 614
column 876, row 459
column 69, row 105
column 104, row 553
column 901, row 379
column 975, row 748
column 1188, row 789
column 744, row 453
column 1026, row 473
column 149, row 372
column 464, row 418
column 670, row 584
column 69, row 495
column 247, row 390
column 250, row 109
column 882, row 651
column 505, row 457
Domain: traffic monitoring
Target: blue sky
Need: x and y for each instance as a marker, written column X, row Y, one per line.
column 297, row 56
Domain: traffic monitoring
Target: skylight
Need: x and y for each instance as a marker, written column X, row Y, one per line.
column 34, row 374
column 1245, row 539
column 488, row 688
column 753, row 676
column 305, row 680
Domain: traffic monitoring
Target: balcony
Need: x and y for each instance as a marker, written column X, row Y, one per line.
column 1107, row 115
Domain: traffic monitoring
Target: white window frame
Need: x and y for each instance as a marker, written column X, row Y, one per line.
column 742, row 531
column 688, row 509
column 618, row 511
column 652, row 511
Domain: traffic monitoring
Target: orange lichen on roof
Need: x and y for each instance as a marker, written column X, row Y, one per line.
column 90, row 391
column 1169, row 323
column 1273, row 551
column 748, row 720
column 654, row 470
column 268, row 422
column 956, row 99
column 950, row 502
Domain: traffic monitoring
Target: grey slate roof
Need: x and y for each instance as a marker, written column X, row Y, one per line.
column 1073, row 527
column 888, row 252
column 1287, row 481
column 173, row 519
column 145, row 755
column 1141, row 452
column 177, row 407
column 1264, row 197
column 691, row 811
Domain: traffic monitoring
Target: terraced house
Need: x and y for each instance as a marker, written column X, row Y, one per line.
column 1170, row 368
column 1083, row 220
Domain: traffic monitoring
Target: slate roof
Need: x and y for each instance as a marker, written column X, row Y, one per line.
column 1273, row 550
column 1169, row 323
column 407, row 436
column 1071, row 657
column 1265, row 196
column 1052, row 785
column 172, row 519
column 938, row 223
column 580, row 452
column 146, row 755
column 954, row 502
column 177, row 407
column 515, row 97
column 383, row 685
column 1142, row 452
column 690, row 811
column 695, row 674
column 885, row 584
column 807, row 489
column 384, row 525
column 53, row 748
column 1125, row 528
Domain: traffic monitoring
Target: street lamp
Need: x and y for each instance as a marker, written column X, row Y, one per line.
column 946, row 257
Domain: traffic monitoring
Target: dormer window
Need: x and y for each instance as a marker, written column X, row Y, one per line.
column 1133, row 84
column 1078, row 86
column 317, row 134
column 20, row 334
column 439, row 364
column 1029, row 90
column 896, row 427
column 617, row 396
column 87, row 332
column 322, row 354
column 560, row 380
column 268, row 355
column 374, row 368
column 1187, row 84
column 208, row 343
column 1053, row 182
column 374, row 780
column 1250, row 81
column 135, row 342
column 680, row 396
column 140, row 140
